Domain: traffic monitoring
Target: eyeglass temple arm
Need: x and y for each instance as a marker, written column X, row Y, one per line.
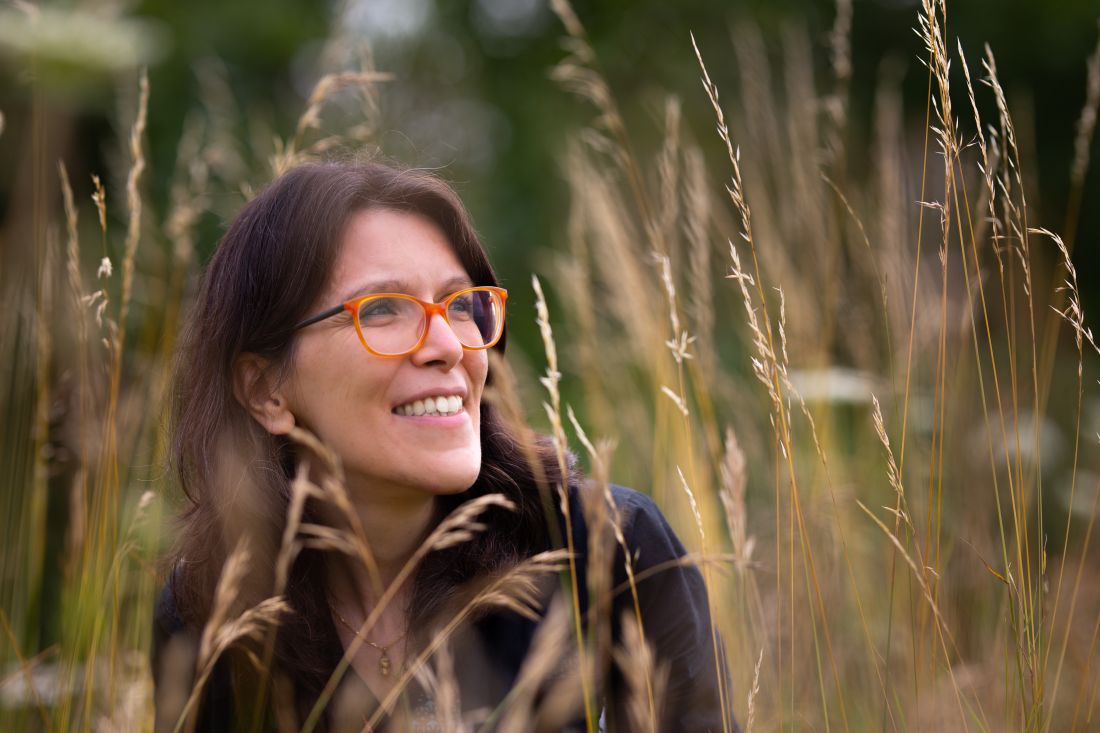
column 319, row 317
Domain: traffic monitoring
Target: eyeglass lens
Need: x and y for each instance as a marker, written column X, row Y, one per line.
column 395, row 325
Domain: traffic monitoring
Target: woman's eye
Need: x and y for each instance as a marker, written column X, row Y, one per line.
column 462, row 306
column 377, row 309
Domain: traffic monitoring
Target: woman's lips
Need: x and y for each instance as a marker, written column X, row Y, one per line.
column 457, row 418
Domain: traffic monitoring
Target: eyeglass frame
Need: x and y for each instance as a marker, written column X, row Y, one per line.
column 430, row 309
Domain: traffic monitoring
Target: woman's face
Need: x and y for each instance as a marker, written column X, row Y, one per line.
column 348, row 397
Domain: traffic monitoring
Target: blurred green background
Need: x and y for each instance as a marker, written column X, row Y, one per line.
column 471, row 94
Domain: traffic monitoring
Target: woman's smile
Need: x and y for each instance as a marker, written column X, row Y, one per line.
column 354, row 303
column 433, row 403
column 398, row 423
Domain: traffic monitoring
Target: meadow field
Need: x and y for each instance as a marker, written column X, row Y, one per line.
column 852, row 366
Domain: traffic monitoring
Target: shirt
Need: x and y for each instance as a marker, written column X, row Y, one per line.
column 488, row 657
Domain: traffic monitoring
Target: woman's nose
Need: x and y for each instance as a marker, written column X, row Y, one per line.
column 441, row 345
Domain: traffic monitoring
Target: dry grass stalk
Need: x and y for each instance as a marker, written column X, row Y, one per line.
column 133, row 204
column 737, row 196
column 291, row 543
column 943, row 631
column 332, row 489
column 459, row 526
column 78, row 495
column 543, row 662
column 99, row 198
column 604, row 523
column 761, row 364
column 439, row 681
column 989, row 161
column 605, row 215
column 1030, row 602
column 932, row 19
column 678, row 344
column 732, row 495
column 579, row 74
column 694, row 506
column 893, row 474
column 677, row 400
column 772, row 372
column 503, row 394
column 551, row 381
column 992, row 160
column 646, row 679
column 619, row 271
column 594, row 495
column 575, row 278
column 750, row 716
column 101, row 557
column 189, row 200
column 301, row 489
column 72, row 249
column 291, row 153
column 328, row 86
column 696, row 232
column 727, row 724
column 664, row 229
column 100, row 298
column 223, row 628
column 609, row 518
column 553, row 411
column 518, row 590
column 1086, row 123
column 225, row 596
column 766, row 367
column 1073, row 313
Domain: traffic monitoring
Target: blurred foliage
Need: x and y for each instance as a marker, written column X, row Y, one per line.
column 472, row 95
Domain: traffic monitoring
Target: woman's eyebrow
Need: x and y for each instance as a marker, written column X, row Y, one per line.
column 393, row 285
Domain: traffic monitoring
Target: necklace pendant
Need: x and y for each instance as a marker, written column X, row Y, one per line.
column 384, row 665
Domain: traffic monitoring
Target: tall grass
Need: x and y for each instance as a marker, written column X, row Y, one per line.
column 860, row 393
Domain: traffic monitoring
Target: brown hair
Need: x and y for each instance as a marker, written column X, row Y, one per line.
column 269, row 269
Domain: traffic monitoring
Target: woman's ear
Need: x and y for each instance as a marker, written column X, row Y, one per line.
column 253, row 388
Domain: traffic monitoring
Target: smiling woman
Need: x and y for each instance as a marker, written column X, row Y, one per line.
column 354, row 303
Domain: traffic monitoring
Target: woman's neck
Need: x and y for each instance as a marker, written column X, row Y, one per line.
column 394, row 525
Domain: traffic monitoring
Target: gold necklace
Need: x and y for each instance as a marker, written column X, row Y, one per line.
column 385, row 665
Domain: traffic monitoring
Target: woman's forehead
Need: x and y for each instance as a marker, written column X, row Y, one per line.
column 383, row 250
column 394, row 285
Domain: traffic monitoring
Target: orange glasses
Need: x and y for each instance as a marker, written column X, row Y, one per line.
column 395, row 324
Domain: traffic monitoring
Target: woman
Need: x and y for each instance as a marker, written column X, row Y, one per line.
column 355, row 302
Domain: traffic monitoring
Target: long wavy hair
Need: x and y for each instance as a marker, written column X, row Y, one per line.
column 268, row 271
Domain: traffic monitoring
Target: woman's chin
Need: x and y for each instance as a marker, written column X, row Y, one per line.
column 459, row 481
column 449, row 479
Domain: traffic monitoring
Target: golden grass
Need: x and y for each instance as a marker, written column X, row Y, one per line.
column 899, row 549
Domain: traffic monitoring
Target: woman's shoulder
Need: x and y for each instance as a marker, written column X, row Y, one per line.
column 167, row 619
column 643, row 524
column 637, row 509
column 173, row 656
column 631, row 503
column 174, row 640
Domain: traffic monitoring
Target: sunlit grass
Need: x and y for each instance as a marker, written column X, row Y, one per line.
column 846, row 391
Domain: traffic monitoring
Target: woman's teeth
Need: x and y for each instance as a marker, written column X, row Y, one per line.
column 431, row 406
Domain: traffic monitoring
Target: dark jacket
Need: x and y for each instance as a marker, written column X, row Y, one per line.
column 675, row 616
